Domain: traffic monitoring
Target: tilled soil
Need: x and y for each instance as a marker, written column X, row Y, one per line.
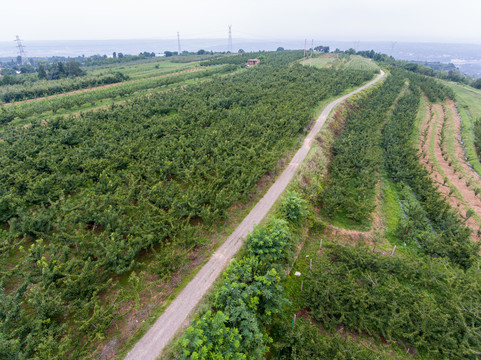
column 445, row 170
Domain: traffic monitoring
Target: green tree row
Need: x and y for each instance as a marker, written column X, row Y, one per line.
column 449, row 236
column 430, row 305
column 51, row 87
column 68, row 101
column 353, row 171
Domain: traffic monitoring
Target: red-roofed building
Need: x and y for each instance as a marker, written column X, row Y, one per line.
column 253, row 61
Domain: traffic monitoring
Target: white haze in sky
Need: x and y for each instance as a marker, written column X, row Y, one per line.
column 364, row 20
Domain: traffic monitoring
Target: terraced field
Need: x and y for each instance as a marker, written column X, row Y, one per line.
column 443, row 155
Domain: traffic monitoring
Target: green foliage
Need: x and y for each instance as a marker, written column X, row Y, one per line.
column 434, row 90
column 303, row 341
column 44, row 88
column 250, row 293
column 452, row 238
column 269, row 240
column 153, row 173
column 357, row 156
column 432, row 306
column 476, row 84
column 68, row 101
column 293, row 207
column 248, row 296
column 210, row 338
column 477, row 136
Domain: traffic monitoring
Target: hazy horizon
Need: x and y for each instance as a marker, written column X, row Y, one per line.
column 345, row 20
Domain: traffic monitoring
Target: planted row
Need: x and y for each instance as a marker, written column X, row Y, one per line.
column 37, row 89
column 357, row 156
column 68, row 101
column 449, row 236
column 429, row 304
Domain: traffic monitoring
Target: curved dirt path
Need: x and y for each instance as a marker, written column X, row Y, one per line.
column 151, row 345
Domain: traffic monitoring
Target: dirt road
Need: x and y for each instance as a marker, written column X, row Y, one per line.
column 150, row 346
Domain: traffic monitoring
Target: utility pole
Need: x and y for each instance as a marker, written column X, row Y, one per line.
column 21, row 50
column 230, row 39
column 393, row 44
column 356, row 45
column 312, row 46
column 178, row 42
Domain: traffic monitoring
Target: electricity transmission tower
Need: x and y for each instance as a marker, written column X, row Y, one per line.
column 178, row 42
column 393, row 44
column 21, row 50
column 230, row 38
column 356, row 45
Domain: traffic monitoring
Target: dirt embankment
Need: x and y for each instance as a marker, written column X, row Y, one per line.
column 456, row 187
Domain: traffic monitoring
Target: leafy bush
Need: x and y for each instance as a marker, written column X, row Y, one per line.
column 269, row 240
column 357, row 156
column 293, row 207
column 211, row 339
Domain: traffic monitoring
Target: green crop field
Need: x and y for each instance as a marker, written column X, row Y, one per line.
column 142, row 70
column 117, row 184
column 324, row 289
column 321, row 61
column 37, row 111
column 357, row 62
column 342, row 61
column 90, row 204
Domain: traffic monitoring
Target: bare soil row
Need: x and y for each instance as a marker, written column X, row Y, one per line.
column 449, row 170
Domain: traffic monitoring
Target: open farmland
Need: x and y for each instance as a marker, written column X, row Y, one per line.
column 342, row 61
column 146, row 69
column 363, row 257
column 103, row 212
column 43, row 109
column 112, row 198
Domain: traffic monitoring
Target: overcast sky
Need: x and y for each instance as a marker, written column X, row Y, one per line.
column 364, row 20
